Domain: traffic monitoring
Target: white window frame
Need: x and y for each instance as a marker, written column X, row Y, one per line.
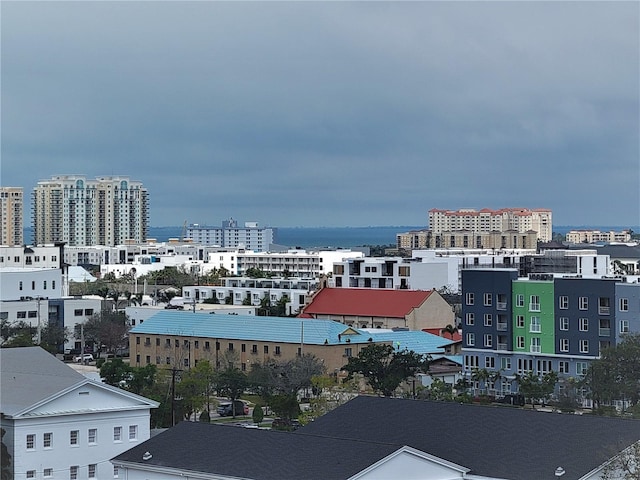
column 563, row 366
column 471, row 339
column 624, row 326
column 31, row 441
column 520, row 300
column 133, row 432
column 564, row 323
column 564, row 344
column 624, row 304
column 563, row 302
column 534, row 303
column 487, row 299
column 535, row 345
column 470, row 318
column 584, row 346
column 117, row 434
column 47, row 472
column 47, row 440
column 520, row 321
column 581, row 368
column 505, row 363
column 535, row 325
column 583, row 303
column 74, row 439
column 520, row 342
column 488, row 340
column 488, row 320
column 92, row 470
column 489, row 362
column 583, row 323
column 92, row 436
column 469, row 298
column 73, row 472
column 31, row 474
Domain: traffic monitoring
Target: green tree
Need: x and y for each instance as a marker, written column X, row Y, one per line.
column 385, row 368
column 536, row 387
column 53, row 337
column 285, row 406
column 257, row 415
column 117, row 373
column 254, row 272
column 440, row 391
column 108, row 329
column 231, row 382
column 6, row 458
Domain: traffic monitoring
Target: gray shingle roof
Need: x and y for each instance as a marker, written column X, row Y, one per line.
column 495, row 441
column 29, row 375
column 256, row 454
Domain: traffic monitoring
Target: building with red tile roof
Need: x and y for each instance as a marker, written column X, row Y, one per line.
column 379, row 308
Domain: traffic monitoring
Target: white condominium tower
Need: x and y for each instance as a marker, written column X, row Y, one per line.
column 520, row 220
column 105, row 211
column 11, row 213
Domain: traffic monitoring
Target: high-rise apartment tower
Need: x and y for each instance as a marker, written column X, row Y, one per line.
column 11, row 216
column 105, row 211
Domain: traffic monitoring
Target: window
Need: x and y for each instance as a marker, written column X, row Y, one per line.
column 487, row 299
column 254, row 349
column 505, row 363
column 564, row 344
column 584, row 346
column 520, row 300
column 88, row 311
column 563, row 302
column 277, row 352
column 564, row 323
column 469, row 298
column 137, row 340
column 133, row 432
column 470, row 318
column 583, row 303
column 488, row 340
column 73, row 472
column 47, row 440
column 520, row 321
column 231, row 347
column 535, row 345
column 534, row 303
column 31, row 474
column 22, row 314
column 47, row 472
column 348, row 352
column 243, row 347
column 117, row 434
column 471, row 339
column 31, row 441
column 73, row 437
column 92, row 470
column 157, row 342
column 207, row 345
column 624, row 304
column 520, row 342
column 624, row 326
column 266, row 349
column 535, row 325
column 489, row 362
column 33, row 313
column 488, row 320
column 92, row 436
column 563, row 367
column 581, row 368
column 116, row 472
column 584, row 324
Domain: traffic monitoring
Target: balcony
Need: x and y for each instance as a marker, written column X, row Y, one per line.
column 604, row 332
column 502, row 326
column 604, row 310
column 503, row 346
column 501, row 305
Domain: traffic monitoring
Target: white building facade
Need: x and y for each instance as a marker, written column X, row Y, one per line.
column 250, row 236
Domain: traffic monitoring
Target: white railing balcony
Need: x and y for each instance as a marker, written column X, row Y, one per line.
column 502, row 346
column 603, row 310
column 534, row 307
column 502, row 326
column 604, row 332
column 501, row 305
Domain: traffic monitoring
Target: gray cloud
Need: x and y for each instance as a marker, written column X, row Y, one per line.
column 330, row 113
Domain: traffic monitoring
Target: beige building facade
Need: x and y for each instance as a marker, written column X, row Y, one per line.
column 11, row 216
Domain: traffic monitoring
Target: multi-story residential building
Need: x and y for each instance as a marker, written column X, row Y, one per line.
column 581, row 262
column 60, row 424
column 11, row 215
column 78, row 211
column 515, row 221
column 542, row 323
column 414, row 239
column 255, row 292
column 181, row 338
column 496, row 240
column 596, row 236
column 250, row 237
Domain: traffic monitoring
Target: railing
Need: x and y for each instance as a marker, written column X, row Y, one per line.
column 604, row 332
column 603, row 310
column 502, row 346
column 534, row 307
column 502, row 326
column 501, row 305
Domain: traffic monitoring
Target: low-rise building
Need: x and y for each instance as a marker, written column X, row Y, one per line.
column 60, row 424
column 597, row 236
column 230, row 235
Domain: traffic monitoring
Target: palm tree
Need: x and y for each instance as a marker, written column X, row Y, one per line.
column 450, row 329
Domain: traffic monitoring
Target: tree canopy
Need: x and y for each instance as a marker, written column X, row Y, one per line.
column 386, row 368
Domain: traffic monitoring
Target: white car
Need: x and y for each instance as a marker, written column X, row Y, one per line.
column 85, row 357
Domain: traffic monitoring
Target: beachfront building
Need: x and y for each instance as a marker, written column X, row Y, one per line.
column 250, row 236
column 510, row 222
column 11, row 214
column 597, row 236
column 81, row 211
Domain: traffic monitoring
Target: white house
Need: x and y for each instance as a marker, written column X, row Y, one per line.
column 60, row 424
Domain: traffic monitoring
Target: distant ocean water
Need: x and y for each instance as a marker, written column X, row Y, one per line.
column 343, row 237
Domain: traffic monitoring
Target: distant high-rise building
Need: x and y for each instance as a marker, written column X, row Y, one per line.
column 105, row 211
column 520, row 220
column 11, row 216
column 250, row 237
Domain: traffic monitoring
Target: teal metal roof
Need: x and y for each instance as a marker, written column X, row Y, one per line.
column 280, row 329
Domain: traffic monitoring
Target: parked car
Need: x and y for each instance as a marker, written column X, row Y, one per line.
column 85, row 357
column 225, row 410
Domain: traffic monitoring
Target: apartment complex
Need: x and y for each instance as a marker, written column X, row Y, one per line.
column 251, row 236
column 520, row 220
column 542, row 323
column 11, row 214
column 594, row 236
column 80, row 211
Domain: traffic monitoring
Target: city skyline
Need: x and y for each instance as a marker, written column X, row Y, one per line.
column 329, row 113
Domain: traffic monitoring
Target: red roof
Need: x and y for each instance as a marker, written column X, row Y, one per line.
column 366, row 302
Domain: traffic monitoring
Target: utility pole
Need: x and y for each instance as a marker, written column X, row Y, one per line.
column 39, row 330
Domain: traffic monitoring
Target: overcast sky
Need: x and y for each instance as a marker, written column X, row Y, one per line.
column 330, row 113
